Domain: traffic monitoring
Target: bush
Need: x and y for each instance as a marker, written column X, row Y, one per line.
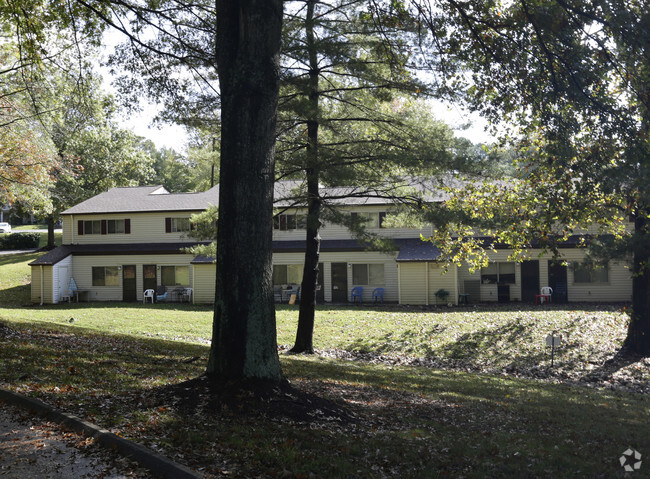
column 20, row 241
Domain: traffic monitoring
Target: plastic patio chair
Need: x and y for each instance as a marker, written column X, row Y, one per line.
column 148, row 294
column 161, row 294
column 357, row 292
column 378, row 295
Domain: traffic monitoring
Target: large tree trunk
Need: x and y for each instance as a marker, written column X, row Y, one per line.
column 244, row 344
column 638, row 332
column 305, row 332
column 50, row 231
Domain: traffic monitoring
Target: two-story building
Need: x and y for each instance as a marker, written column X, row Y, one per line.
column 122, row 242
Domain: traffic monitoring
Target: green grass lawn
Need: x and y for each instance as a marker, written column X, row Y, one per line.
column 474, row 409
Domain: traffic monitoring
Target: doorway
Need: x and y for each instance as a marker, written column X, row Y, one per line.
column 557, row 280
column 529, row 280
column 129, row 291
column 339, row 282
column 149, row 280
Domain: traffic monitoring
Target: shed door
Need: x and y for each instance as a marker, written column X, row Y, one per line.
column 129, row 292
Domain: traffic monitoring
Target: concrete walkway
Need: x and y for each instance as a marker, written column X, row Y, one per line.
column 34, row 448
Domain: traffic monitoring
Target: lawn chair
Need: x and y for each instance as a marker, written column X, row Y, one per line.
column 148, row 294
column 73, row 291
column 357, row 292
column 378, row 295
column 161, row 293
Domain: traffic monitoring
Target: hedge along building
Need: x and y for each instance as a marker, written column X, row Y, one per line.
column 122, row 242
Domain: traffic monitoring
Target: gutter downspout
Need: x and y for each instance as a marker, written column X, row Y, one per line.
column 426, row 281
column 42, row 286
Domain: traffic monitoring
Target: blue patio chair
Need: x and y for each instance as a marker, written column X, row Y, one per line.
column 357, row 292
column 161, row 293
column 378, row 295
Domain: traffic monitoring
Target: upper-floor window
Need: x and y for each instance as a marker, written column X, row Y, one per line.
column 498, row 273
column 103, row 227
column 371, row 219
column 289, row 221
column 586, row 273
column 177, row 225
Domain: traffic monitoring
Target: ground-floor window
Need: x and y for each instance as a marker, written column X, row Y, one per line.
column 287, row 274
column 106, row 276
column 175, row 275
column 590, row 273
column 368, row 274
column 498, row 273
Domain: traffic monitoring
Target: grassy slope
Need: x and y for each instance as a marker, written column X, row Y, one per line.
column 414, row 421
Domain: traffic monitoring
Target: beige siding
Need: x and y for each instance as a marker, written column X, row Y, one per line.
column 438, row 279
column 331, row 231
column 205, row 282
column 390, row 286
column 42, row 282
column 82, row 272
column 145, row 228
column 413, row 283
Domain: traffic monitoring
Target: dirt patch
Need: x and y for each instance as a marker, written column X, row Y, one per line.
column 267, row 399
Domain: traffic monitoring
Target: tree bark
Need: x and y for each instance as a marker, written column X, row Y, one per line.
column 50, row 231
column 638, row 331
column 306, row 316
column 244, row 344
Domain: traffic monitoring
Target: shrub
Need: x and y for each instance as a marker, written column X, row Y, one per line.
column 20, row 241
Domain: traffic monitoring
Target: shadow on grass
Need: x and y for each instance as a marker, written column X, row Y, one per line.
column 412, row 420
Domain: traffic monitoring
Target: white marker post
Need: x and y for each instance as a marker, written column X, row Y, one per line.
column 552, row 341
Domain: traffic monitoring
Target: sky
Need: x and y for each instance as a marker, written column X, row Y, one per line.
column 175, row 137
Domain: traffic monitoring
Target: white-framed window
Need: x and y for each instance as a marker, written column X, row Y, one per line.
column 290, row 221
column 175, row 275
column 106, row 276
column 498, row 273
column 588, row 273
column 368, row 274
column 287, row 274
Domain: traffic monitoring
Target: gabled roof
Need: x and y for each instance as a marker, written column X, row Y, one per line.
column 287, row 193
column 145, row 198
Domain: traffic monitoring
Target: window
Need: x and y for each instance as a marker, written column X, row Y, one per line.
column 175, row 275
column 371, row 220
column 177, row 225
column 115, row 227
column 368, row 274
column 102, row 227
column 587, row 273
column 498, row 273
column 106, row 276
column 287, row 222
column 92, row 227
column 287, row 274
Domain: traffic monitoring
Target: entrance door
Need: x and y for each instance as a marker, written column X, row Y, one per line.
column 529, row 280
column 339, row 282
column 129, row 292
column 149, row 280
column 557, row 280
